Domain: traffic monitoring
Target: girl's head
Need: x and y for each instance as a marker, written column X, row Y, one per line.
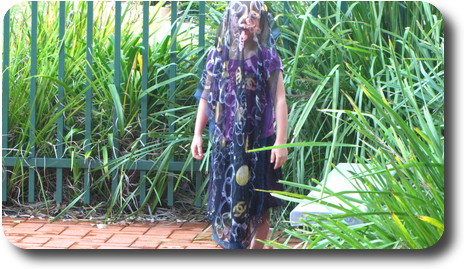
column 248, row 15
column 243, row 22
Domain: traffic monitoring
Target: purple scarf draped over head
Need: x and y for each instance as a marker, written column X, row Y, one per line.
column 239, row 83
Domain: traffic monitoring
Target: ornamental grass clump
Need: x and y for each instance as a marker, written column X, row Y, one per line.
column 374, row 79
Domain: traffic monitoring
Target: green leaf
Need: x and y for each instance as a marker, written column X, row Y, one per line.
column 403, row 230
column 164, row 83
column 303, row 144
column 432, row 221
column 118, row 107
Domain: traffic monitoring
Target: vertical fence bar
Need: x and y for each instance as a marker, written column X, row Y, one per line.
column 201, row 44
column 5, row 97
column 315, row 11
column 172, row 87
column 32, row 96
column 403, row 13
column 117, row 83
column 288, row 11
column 144, row 101
column 201, row 32
column 344, row 6
column 59, row 171
column 88, row 101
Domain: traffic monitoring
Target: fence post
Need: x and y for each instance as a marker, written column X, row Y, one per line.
column 287, row 10
column 403, row 13
column 344, row 6
column 5, row 98
column 88, row 102
column 117, row 84
column 172, row 88
column 60, row 127
column 144, row 101
column 201, row 44
column 32, row 96
column 315, row 11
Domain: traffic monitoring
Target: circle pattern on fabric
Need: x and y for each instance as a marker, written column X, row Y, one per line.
column 243, row 175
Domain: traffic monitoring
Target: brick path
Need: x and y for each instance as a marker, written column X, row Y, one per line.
column 40, row 234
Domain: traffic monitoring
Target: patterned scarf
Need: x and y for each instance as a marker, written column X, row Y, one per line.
column 237, row 88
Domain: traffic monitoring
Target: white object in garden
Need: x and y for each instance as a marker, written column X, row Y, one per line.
column 340, row 179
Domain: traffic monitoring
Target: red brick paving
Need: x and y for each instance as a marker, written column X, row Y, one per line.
column 41, row 234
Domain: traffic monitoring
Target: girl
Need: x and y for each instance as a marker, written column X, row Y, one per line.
column 241, row 86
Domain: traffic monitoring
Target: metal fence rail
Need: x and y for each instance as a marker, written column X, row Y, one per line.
column 33, row 161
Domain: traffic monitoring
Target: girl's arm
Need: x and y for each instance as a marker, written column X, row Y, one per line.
column 281, row 113
column 200, row 124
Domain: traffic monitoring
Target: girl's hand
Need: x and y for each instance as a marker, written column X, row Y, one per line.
column 196, row 147
column 278, row 156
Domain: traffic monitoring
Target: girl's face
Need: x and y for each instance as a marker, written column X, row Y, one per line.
column 251, row 22
column 248, row 17
column 244, row 22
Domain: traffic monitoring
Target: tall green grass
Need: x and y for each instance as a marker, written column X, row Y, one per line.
column 374, row 79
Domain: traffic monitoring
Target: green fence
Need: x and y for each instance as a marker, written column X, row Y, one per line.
column 32, row 161
column 142, row 165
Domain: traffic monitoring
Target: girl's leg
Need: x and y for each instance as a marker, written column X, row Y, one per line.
column 261, row 232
